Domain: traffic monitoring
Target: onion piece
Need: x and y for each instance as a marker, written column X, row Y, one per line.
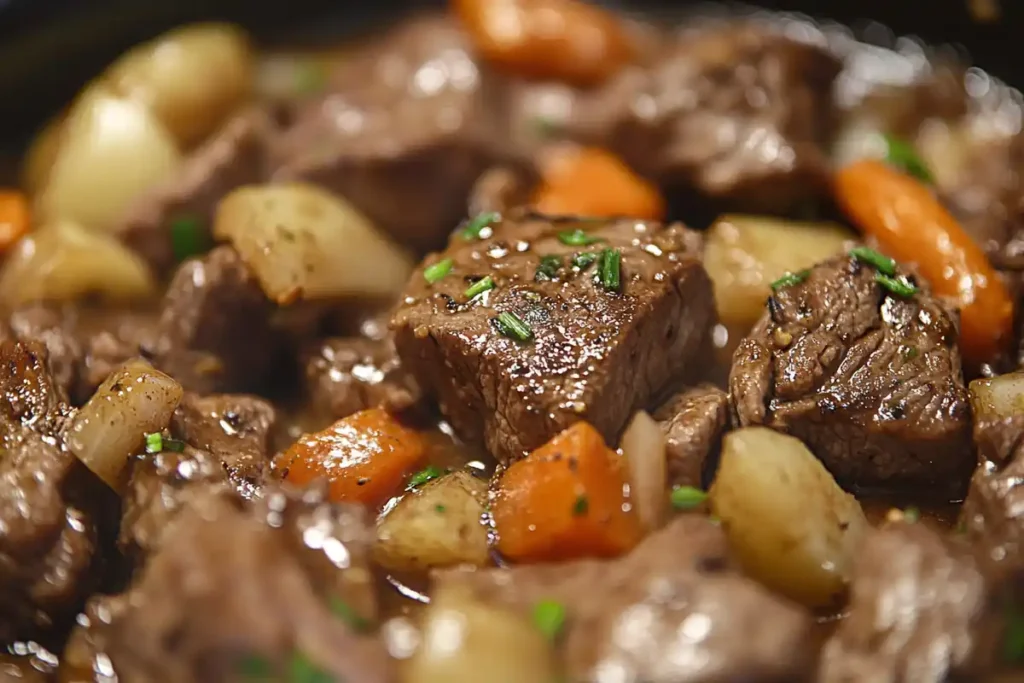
column 111, row 427
column 643, row 445
column 998, row 397
column 302, row 242
column 62, row 261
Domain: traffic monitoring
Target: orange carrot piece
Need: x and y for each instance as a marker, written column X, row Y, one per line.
column 365, row 457
column 912, row 226
column 565, row 500
column 563, row 40
column 590, row 181
column 15, row 218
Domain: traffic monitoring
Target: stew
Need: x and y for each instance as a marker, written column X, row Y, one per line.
column 526, row 343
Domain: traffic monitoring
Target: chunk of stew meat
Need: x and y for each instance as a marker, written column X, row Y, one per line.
column 869, row 379
column 237, row 593
column 591, row 330
column 675, row 609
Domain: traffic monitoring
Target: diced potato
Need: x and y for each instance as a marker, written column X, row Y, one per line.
column 191, row 78
column 63, row 262
column 464, row 639
column 998, row 397
column 745, row 254
column 112, row 426
column 787, row 520
column 437, row 525
column 110, row 150
column 304, row 243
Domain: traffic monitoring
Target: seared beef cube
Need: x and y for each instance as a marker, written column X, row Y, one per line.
column 234, row 428
column 917, row 613
column 227, row 448
column 160, row 486
column 411, row 127
column 501, row 189
column 346, row 375
column 235, row 155
column 631, row 615
column 693, row 422
column 50, row 326
column 49, row 506
column 232, row 587
column 214, row 332
column 587, row 350
column 870, row 380
column 109, row 338
column 736, row 111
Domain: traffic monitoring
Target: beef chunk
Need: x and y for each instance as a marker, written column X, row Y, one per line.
column 235, row 155
column 631, row 616
column 48, row 510
column 917, row 612
column 48, row 325
column 228, row 447
column 233, row 584
column 501, row 189
column 409, row 118
column 736, row 111
column 594, row 354
column 346, row 375
column 234, row 428
column 693, row 422
column 869, row 380
column 214, row 332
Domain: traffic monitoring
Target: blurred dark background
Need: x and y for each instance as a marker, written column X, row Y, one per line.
column 49, row 48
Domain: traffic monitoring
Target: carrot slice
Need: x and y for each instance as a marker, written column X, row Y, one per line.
column 563, row 40
column 590, row 181
column 912, row 226
column 565, row 500
column 365, row 457
column 15, row 218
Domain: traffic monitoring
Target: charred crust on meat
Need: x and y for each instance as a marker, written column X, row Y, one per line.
column 775, row 310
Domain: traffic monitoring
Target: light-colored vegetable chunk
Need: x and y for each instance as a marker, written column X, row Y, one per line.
column 464, row 639
column 643, row 445
column 787, row 520
column 745, row 254
column 62, row 262
column 191, row 78
column 109, row 151
column 436, row 525
column 39, row 158
column 111, row 427
column 998, row 397
column 304, row 243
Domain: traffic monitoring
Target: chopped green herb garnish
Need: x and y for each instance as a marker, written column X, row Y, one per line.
column 549, row 617
column 174, row 445
column 428, row 473
column 911, row 514
column 790, row 279
column 610, row 271
column 961, row 526
column 545, row 126
column 302, row 670
column 310, row 78
column 255, row 668
column 899, row 286
column 548, row 267
column 154, row 442
column 580, row 507
column 902, row 155
column 474, row 229
column 577, row 238
column 344, row 611
column 583, row 260
column 513, row 327
column 880, row 261
column 910, row 352
column 1013, row 636
column 479, row 287
column 188, row 237
column 687, row 497
column 437, row 271
column 440, row 509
